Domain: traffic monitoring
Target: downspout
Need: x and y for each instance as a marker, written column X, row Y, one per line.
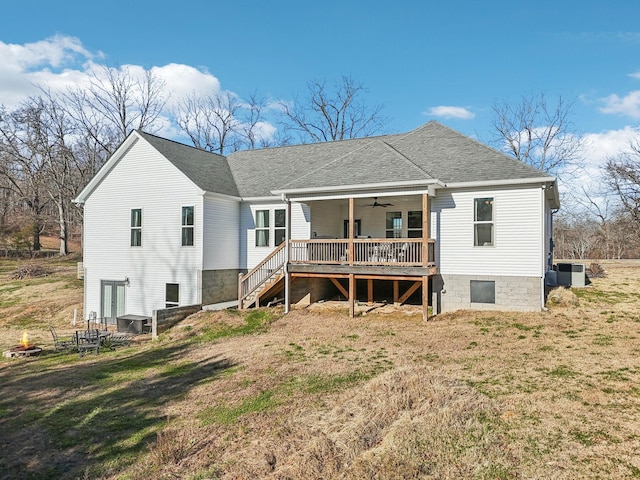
column 544, row 248
column 287, row 281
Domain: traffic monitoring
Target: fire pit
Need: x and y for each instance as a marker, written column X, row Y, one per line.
column 23, row 349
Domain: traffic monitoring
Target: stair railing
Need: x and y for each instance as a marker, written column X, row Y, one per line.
column 261, row 273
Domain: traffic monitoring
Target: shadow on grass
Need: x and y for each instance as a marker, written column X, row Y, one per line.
column 63, row 417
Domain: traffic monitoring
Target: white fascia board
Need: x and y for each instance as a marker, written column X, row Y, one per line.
column 221, row 195
column 501, row 183
column 359, row 187
column 106, row 168
column 262, row 199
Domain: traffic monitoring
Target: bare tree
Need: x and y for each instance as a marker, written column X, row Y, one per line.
column 332, row 113
column 116, row 102
column 22, row 165
column 537, row 133
column 222, row 122
column 210, row 121
column 622, row 175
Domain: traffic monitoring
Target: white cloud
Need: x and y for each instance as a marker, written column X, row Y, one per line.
column 629, row 105
column 635, row 75
column 447, row 111
column 598, row 147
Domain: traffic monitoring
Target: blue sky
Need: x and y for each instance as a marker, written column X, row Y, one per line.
column 423, row 60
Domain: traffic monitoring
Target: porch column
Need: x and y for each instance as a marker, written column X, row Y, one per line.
column 351, row 229
column 287, row 255
column 426, row 223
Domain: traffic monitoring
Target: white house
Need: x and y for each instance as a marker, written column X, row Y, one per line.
column 430, row 216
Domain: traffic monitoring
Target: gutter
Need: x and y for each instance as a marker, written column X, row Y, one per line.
column 362, row 186
column 490, row 183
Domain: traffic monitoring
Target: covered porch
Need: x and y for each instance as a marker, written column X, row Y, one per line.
column 385, row 238
column 377, row 239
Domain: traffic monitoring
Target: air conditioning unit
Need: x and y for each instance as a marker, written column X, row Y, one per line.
column 571, row 274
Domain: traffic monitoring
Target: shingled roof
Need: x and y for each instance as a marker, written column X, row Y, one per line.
column 431, row 152
column 207, row 170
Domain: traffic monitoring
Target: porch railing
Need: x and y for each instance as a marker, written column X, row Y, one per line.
column 368, row 251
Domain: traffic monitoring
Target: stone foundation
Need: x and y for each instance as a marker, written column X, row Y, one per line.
column 511, row 293
column 219, row 285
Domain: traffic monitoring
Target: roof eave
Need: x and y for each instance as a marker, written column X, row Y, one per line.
column 501, row 183
column 359, row 187
column 128, row 142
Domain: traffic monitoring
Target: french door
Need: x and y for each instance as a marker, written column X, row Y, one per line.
column 112, row 300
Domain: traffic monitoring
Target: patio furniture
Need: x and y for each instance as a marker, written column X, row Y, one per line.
column 59, row 343
column 118, row 339
column 88, row 341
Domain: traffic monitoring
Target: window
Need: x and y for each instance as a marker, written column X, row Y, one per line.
column 483, row 291
column 187, row 226
column 483, row 222
column 414, row 224
column 136, row 227
column 172, row 295
column 357, row 228
column 262, row 228
column 394, row 225
column 280, row 226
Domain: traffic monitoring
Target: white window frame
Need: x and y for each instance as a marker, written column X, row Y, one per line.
column 282, row 229
column 264, row 228
column 186, row 226
column 135, row 228
column 481, row 223
column 394, row 230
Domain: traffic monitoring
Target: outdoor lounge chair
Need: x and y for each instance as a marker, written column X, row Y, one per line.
column 88, row 341
column 59, row 343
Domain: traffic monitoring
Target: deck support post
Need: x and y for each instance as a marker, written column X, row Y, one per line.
column 370, row 291
column 352, row 295
column 396, row 292
column 425, row 298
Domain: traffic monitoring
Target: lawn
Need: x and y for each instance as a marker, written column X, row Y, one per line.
column 315, row 394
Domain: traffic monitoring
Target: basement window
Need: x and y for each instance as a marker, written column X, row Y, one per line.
column 483, row 291
column 172, row 295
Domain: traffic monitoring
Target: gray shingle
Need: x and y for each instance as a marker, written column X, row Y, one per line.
column 207, row 170
column 431, row 151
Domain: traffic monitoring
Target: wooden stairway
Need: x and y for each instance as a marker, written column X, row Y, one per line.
column 264, row 280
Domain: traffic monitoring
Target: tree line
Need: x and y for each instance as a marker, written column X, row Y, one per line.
column 51, row 145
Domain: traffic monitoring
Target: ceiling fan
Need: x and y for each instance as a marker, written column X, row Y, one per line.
column 377, row 204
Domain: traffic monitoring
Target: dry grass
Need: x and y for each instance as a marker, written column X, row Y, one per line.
column 314, row 394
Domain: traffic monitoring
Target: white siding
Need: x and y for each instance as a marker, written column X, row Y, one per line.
column 142, row 179
column 518, row 224
column 220, row 236
column 300, row 229
column 327, row 217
